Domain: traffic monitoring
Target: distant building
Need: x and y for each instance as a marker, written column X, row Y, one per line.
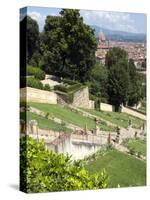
column 102, row 47
column 101, row 37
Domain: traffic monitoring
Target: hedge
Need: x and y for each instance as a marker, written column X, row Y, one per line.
column 34, row 83
column 36, row 72
column 71, row 88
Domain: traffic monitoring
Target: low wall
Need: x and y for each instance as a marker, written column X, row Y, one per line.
column 36, row 95
column 106, row 107
column 132, row 112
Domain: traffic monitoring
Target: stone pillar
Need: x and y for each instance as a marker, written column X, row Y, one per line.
column 135, row 135
column 109, row 138
column 130, row 123
column 118, row 135
column 97, row 129
column 33, row 127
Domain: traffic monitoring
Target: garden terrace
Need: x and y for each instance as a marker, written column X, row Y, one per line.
column 64, row 113
column 43, row 122
column 118, row 118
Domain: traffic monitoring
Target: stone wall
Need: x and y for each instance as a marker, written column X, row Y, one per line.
column 81, row 98
column 36, row 95
column 106, row 107
column 133, row 113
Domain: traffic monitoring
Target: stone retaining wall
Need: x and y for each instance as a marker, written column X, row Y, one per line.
column 35, row 95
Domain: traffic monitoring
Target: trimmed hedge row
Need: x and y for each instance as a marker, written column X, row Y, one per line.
column 71, row 88
column 70, row 82
column 35, row 83
column 36, row 72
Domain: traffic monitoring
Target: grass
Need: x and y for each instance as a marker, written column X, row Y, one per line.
column 120, row 119
column 45, row 123
column 123, row 170
column 69, row 116
column 137, row 145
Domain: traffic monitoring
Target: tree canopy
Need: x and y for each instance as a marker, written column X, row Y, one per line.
column 124, row 85
column 67, row 45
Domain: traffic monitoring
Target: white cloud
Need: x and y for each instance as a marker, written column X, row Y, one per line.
column 39, row 18
column 110, row 20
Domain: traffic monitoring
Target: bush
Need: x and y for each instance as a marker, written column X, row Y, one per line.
column 60, row 88
column 34, row 83
column 42, row 170
column 70, row 82
column 71, row 88
column 47, row 87
column 36, row 72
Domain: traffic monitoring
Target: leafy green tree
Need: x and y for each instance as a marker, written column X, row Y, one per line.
column 118, row 83
column 32, row 37
column 98, row 80
column 135, row 85
column 81, row 43
column 68, row 45
column 114, row 55
column 42, row 170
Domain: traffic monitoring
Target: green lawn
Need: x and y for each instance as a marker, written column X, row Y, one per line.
column 137, row 145
column 44, row 123
column 120, row 119
column 69, row 116
column 122, row 169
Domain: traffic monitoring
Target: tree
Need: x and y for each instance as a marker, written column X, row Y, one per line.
column 81, row 44
column 32, row 37
column 53, row 45
column 118, row 76
column 42, row 170
column 68, row 45
column 98, row 79
column 118, row 83
column 135, row 85
column 114, row 55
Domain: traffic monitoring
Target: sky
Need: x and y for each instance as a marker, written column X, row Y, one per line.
column 129, row 22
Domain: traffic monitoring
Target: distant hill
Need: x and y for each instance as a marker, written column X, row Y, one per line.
column 120, row 35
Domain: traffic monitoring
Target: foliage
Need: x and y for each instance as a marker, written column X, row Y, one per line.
column 124, row 83
column 98, row 80
column 47, row 87
column 71, row 88
column 118, row 83
column 70, row 82
column 135, row 85
column 42, row 170
column 37, row 72
column 34, row 83
column 67, row 45
column 32, row 37
column 114, row 55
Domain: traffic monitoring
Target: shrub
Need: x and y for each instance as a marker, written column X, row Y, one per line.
column 47, row 87
column 60, row 88
column 42, row 170
column 34, row 83
column 70, row 82
column 36, row 72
